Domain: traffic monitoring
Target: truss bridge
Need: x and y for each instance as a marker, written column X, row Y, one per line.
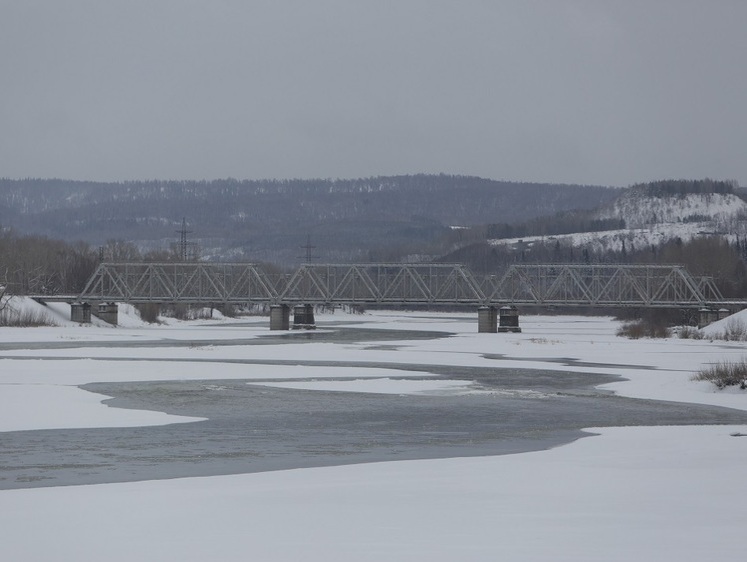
column 402, row 284
column 397, row 284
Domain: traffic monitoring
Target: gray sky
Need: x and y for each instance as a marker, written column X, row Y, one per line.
column 574, row 91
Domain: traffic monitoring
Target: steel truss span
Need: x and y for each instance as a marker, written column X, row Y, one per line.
column 403, row 284
column 190, row 283
column 603, row 285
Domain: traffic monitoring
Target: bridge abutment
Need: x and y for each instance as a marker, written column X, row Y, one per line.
column 279, row 317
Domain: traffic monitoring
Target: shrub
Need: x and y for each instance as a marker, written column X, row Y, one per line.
column 178, row 311
column 149, row 312
column 228, row 310
column 203, row 313
column 632, row 330
column 187, row 312
column 643, row 329
column 659, row 331
column 256, row 309
column 689, row 333
column 735, row 330
column 725, row 374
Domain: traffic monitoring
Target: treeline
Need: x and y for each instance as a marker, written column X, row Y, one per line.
column 37, row 265
column 668, row 188
column 40, row 265
column 562, row 223
column 710, row 256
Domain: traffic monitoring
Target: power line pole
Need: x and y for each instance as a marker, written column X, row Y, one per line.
column 183, row 247
column 309, row 248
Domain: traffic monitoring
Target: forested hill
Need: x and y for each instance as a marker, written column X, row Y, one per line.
column 270, row 219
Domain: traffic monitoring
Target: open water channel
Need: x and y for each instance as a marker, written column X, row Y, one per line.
column 252, row 428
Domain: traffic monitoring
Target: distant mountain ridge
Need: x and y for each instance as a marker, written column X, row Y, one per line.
column 269, row 220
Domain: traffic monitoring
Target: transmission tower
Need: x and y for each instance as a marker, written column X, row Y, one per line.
column 184, row 245
column 309, row 250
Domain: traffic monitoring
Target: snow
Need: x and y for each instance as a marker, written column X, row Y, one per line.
column 44, row 394
column 731, row 323
column 643, row 493
column 640, row 211
column 613, row 240
column 27, row 406
column 630, row 494
column 653, row 221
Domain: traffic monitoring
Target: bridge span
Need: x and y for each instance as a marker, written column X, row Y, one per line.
column 401, row 284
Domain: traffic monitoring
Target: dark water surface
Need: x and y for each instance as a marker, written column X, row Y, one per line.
column 252, row 428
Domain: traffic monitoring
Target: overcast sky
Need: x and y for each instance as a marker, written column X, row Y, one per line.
column 572, row 91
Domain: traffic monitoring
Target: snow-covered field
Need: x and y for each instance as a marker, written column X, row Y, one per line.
column 661, row 493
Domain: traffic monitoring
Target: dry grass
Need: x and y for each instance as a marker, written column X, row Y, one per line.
column 149, row 312
column 689, row 333
column 24, row 319
column 735, row 331
column 725, row 374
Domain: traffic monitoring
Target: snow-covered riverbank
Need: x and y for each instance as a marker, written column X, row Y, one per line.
column 647, row 493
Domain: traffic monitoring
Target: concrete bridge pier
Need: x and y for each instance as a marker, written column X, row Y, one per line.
column 487, row 320
column 708, row 316
column 303, row 316
column 279, row 317
column 80, row 312
column 109, row 312
column 509, row 319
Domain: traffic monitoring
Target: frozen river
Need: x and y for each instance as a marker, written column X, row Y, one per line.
column 251, row 426
column 660, row 477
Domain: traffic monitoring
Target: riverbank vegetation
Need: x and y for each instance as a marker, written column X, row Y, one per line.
column 725, row 374
column 13, row 315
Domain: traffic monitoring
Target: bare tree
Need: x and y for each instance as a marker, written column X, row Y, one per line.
column 4, row 292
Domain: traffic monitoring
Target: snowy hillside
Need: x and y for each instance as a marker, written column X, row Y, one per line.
column 653, row 220
column 640, row 211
